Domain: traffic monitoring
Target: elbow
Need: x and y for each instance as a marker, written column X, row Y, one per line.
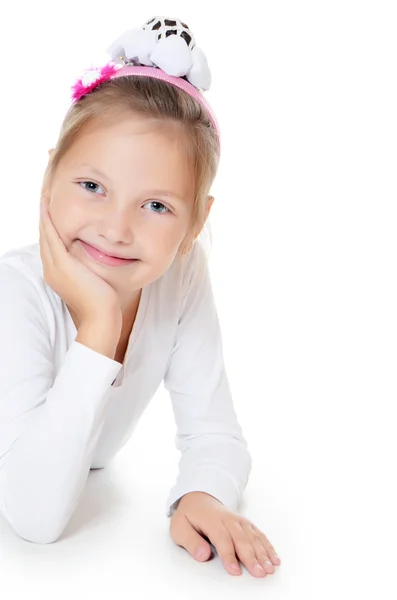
column 38, row 536
column 33, row 519
column 33, row 532
column 38, row 529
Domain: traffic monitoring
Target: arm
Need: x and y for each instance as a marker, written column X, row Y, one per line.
column 214, row 455
column 49, row 425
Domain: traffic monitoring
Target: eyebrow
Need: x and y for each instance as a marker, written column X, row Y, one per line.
column 161, row 192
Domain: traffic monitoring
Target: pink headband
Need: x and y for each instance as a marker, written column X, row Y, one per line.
column 160, row 41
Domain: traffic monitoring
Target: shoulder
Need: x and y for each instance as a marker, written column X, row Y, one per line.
column 196, row 264
column 196, row 281
column 25, row 260
column 21, row 279
column 183, row 281
column 184, row 270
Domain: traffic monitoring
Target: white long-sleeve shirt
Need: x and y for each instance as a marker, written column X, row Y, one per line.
column 60, row 415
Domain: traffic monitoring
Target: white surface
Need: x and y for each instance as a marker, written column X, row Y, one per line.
column 304, row 268
column 118, row 539
column 306, row 500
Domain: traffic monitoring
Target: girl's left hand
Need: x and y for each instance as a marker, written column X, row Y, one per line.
column 199, row 513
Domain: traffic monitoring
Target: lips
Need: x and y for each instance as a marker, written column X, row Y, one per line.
column 101, row 257
column 107, row 253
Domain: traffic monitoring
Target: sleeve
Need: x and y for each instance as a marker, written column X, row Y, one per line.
column 214, row 455
column 49, row 425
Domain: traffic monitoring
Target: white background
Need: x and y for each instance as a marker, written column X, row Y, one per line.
column 303, row 265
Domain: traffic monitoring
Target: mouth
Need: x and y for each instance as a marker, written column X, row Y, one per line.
column 102, row 258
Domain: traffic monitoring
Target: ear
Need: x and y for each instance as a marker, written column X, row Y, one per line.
column 210, row 202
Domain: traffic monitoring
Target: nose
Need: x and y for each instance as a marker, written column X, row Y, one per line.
column 117, row 226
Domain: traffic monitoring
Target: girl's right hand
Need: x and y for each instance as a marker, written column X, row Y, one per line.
column 85, row 293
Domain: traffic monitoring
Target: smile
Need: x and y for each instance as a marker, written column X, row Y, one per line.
column 104, row 259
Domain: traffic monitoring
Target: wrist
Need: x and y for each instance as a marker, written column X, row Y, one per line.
column 197, row 496
column 101, row 335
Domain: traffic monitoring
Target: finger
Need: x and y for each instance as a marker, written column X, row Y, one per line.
column 245, row 549
column 45, row 250
column 43, row 210
column 45, row 201
column 43, row 225
column 271, row 552
column 184, row 534
column 259, row 547
column 55, row 243
column 223, row 542
column 46, row 221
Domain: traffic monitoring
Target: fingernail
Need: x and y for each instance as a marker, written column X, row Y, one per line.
column 234, row 567
column 276, row 557
column 201, row 553
column 259, row 569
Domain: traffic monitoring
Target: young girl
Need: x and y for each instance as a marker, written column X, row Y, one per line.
column 117, row 298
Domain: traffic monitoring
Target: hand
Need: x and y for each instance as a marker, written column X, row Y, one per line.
column 231, row 534
column 84, row 292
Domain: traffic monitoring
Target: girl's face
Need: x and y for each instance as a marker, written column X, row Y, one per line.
column 126, row 188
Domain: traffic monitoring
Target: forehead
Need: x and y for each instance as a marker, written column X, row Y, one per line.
column 135, row 134
column 136, row 147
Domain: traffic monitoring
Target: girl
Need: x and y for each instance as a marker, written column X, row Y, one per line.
column 117, row 298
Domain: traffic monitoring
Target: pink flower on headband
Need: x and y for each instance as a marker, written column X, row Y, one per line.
column 92, row 78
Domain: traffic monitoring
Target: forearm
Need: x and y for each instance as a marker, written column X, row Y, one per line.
column 43, row 475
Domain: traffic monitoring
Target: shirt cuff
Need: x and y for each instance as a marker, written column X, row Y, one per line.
column 214, row 481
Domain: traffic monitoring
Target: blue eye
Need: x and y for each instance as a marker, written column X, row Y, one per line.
column 156, row 202
column 167, row 210
column 84, row 182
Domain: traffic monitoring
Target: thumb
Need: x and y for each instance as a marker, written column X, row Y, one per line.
column 185, row 535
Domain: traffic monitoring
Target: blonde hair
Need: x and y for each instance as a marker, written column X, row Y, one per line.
column 160, row 101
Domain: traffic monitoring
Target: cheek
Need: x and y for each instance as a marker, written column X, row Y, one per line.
column 66, row 224
column 165, row 241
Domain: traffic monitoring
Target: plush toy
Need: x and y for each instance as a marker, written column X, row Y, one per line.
column 167, row 44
